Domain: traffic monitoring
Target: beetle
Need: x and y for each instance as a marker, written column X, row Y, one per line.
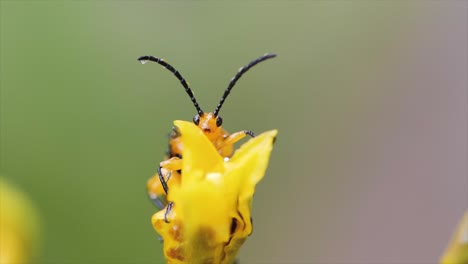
column 211, row 125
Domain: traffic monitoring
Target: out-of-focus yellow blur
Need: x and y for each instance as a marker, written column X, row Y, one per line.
column 457, row 250
column 19, row 226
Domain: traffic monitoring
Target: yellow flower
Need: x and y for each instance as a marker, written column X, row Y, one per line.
column 210, row 219
column 457, row 250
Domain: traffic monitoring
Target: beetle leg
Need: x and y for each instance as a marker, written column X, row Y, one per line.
column 174, row 163
column 233, row 138
column 162, row 180
column 171, row 164
column 168, row 210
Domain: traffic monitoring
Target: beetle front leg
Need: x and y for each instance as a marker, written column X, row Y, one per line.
column 233, row 138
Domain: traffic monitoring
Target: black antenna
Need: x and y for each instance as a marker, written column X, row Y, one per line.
column 237, row 77
column 144, row 59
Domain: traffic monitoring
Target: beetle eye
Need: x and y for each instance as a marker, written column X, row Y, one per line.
column 196, row 119
column 219, row 121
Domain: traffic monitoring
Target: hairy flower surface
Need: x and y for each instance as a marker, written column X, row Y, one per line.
column 210, row 219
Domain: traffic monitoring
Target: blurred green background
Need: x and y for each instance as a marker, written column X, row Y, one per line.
column 370, row 99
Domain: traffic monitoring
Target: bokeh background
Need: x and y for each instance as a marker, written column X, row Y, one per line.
column 370, row 98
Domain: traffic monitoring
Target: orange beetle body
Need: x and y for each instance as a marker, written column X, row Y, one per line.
column 169, row 171
column 220, row 138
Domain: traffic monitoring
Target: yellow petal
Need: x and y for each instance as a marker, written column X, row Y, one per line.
column 198, row 153
column 245, row 169
column 251, row 160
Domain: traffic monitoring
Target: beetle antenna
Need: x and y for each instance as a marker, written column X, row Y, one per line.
column 144, row 59
column 237, row 77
